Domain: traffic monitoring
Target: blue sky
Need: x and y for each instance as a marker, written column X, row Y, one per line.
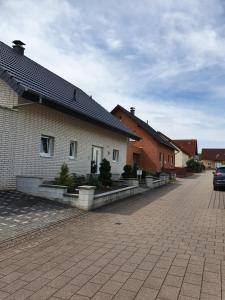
column 164, row 57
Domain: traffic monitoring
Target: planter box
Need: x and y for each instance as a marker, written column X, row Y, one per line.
column 86, row 199
column 152, row 182
column 132, row 181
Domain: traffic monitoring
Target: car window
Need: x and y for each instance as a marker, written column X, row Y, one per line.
column 221, row 170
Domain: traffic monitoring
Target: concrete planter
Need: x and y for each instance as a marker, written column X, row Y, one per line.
column 86, row 199
column 149, row 181
column 132, row 181
column 152, row 182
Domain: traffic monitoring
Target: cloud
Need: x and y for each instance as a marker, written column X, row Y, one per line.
column 165, row 57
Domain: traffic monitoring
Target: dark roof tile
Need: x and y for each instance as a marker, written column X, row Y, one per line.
column 26, row 77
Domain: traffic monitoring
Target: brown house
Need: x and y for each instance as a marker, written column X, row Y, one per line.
column 152, row 151
column 212, row 157
column 189, row 146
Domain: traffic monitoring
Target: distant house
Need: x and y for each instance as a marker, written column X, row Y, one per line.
column 152, row 151
column 185, row 150
column 212, row 157
column 45, row 121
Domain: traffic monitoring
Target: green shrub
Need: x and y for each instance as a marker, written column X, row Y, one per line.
column 93, row 180
column 65, row 178
column 105, row 174
column 194, row 165
column 127, row 172
column 151, row 173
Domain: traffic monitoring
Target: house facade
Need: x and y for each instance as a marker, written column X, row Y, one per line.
column 185, row 150
column 46, row 121
column 213, row 157
column 151, row 152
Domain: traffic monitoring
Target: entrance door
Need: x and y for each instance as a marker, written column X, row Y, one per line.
column 96, row 158
column 136, row 159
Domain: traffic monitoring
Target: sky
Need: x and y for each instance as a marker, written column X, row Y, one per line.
column 166, row 58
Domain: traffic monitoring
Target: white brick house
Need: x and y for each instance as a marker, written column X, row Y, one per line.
column 38, row 131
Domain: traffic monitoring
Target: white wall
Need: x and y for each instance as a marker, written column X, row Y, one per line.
column 20, row 136
column 181, row 159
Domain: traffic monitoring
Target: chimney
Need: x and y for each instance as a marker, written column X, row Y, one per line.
column 132, row 110
column 18, row 47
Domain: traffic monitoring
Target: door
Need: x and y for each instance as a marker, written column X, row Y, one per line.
column 136, row 159
column 96, row 159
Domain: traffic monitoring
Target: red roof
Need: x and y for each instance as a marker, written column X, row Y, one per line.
column 188, row 146
column 213, row 154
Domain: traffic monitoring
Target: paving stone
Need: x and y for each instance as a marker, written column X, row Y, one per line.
column 111, row 287
column 211, row 288
column 67, row 291
column 173, row 280
column 195, row 279
column 147, row 294
column 121, row 276
column 89, row 289
column 102, row 296
column 125, row 295
column 169, row 240
column 169, row 292
column 140, row 274
column 44, row 293
column 21, row 294
column 153, row 282
column 21, row 213
column 101, row 278
column 81, row 279
column 133, row 285
column 3, row 295
column 60, row 281
column 190, row 290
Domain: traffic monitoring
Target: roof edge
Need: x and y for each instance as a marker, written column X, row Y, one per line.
column 11, row 81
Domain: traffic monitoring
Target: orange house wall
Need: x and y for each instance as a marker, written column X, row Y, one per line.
column 148, row 148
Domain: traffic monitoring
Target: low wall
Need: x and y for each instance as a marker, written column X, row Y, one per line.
column 113, row 196
column 86, row 199
column 153, row 182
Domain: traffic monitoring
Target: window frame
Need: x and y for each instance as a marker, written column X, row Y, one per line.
column 50, row 146
column 73, row 157
column 117, row 157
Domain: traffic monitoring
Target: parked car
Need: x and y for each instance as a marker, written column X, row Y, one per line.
column 219, row 178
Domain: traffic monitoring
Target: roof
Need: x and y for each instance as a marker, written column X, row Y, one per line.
column 32, row 81
column 189, row 146
column 213, row 154
column 156, row 135
column 163, row 136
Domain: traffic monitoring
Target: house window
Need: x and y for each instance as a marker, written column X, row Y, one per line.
column 73, row 150
column 168, row 158
column 171, row 160
column 115, row 155
column 47, row 146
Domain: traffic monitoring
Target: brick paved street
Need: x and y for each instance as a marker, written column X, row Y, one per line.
column 167, row 244
column 21, row 213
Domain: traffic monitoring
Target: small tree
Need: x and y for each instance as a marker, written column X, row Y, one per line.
column 105, row 174
column 127, row 171
column 64, row 175
column 66, row 179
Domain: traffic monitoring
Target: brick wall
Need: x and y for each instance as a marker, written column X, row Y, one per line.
column 150, row 148
column 20, row 137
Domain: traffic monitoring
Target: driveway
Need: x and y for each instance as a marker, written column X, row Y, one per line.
column 21, row 213
column 167, row 244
